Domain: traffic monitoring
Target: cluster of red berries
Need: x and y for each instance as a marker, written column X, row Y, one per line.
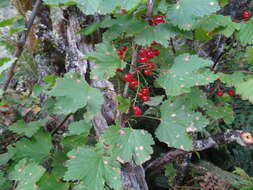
column 158, row 19
column 121, row 52
column 246, row 15
column 230, row 92
column 137, row 111
column 129, row 77
column 143, row 94
column 144, row 57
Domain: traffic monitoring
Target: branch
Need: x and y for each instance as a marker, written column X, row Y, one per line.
column 60, row 125
column 240, row 137
column 149, row 13
column 133, row 61
column 21, row 43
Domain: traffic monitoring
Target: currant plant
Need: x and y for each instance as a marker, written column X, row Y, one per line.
column 148, row 61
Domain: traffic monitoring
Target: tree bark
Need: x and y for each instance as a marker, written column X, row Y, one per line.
column 76, row 46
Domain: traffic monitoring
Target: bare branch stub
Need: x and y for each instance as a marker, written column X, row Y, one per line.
column 21, row 43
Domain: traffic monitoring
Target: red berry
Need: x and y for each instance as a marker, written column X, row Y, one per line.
column 119, row 70
column 145, row 91
column 154, row 43
column 143, row 59
column 134, row 83
column 145, row 98
column 147, row 72
column 119, row 52
column 143, row 52
column 158, row 19
column 137, row 110
column 219, row 93
column 122, row 57
column 246, row 14
column 123, row 48
column 150, row 54
column 128, row 77
column 231, row 92
column 156, row 52
column 150, row 65
column 140, row 94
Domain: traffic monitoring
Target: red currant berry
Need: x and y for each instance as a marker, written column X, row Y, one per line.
column 246, row 14
column 158, row 19
column 143, row 52
column 122, row 57
column 150, row 54
column 143, row 59
column 140, row 94
column 137, row 111
column 119, row 52
column 219, row 93
column 150, row 65
column 123, row 48
column 147, row 72
column 119, row 70
column 156, row 52
column 128, row 77
column 134, row 83
column 231, row 92
column 154, row 43
column 145, row 91
column 145, row 98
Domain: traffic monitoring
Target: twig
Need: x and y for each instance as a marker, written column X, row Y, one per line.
column 21, row 43
column 61, row 124
column 172, row 46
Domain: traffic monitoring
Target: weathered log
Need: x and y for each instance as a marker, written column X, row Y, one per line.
column 240, row 137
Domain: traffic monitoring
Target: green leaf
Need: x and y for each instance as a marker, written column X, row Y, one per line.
column 27, row 129
column 4, row 158
column 184, row 74
column 231, row 80
column 126, row 144
column 27, row 174
column 73, row 93
column 6, row 63
column 222, row 112
column 94, row 169
column 160, row 33
column 154, row 101
column 58, row 164
column 107, row 61
column 57, row 2
column 194, row 99
column 2, row 179
column 184, row 13
column 78, row 128
column 245, row 90
column 244, row 35
column 98, row 6
column 36, row 149
column 176, row 122
column 123, row 104
column 49, row 181
column 126, row 24
column 8, row 22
